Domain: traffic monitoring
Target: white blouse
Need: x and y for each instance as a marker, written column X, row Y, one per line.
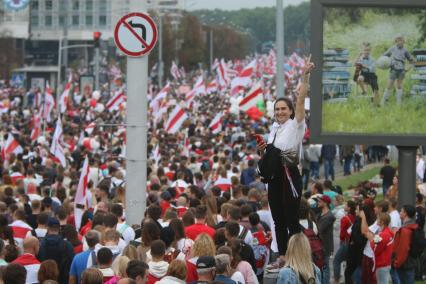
column 289, row 134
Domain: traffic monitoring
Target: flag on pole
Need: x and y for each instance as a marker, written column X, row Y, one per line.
column 57, row 147
column 36, row 127
column 176, row 119
column 89, row 128
column 174, row 70
column 252, row 97
column 63, row 101
column 222, row 72
column 212, row 87
column 49, row 103
column 156, row 154
column 244, row 78
column 115, row 102
column 156, row 101
column 216, row 124
column 81, row 201
column 10, row 146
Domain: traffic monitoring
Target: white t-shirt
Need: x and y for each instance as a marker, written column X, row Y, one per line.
column 289, row 134
column 395, row 219
column 126, row 232
column 368, row 251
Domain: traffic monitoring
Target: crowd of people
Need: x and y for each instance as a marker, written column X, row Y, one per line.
column 208, row 218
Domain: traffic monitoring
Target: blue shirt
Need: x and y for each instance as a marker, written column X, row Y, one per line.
column 289, row 276
column 224, row 279
column 79, row 264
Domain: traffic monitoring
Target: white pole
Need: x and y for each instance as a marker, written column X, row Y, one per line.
column 136, row 131
column 280, row 49
column 58, row 84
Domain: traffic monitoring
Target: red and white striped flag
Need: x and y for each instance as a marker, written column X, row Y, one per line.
column 156, row 101
column 252, row 97
column 222, row 72
column 115, row 102
column 57, row 147
column 244, row 78
column 89, row 128
column 199, row 88
column 81, row 201
column 49, row 103
column 174, row 70
column 10, row 146
column 156, row 154
column 36, row 127
column 176, row 119
column 63, row 102
column 216, row 124
column 212, row 87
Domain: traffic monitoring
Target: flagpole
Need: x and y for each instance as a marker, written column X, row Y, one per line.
column 42, row 113
column 280, row 50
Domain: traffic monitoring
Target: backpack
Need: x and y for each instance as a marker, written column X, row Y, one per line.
column 316, row 245
column 418, row 243
column 261, row 246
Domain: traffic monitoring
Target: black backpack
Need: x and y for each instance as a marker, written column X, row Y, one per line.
column 418, row 243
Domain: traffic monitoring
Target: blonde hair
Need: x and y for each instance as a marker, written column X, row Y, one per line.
column 131, row 252
column 299, row 256
column 203, row 245
column 177, row 268
column 119, row 265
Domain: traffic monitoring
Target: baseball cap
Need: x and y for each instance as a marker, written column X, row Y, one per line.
column 204, row 262
column 326, row 199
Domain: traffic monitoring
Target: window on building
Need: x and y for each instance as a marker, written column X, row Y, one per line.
column 61, row 21
column 102, row 20
column 48, row 21
column 89, row 20
column 89, row 5
column 34, row 20
column 102, row 5
column 75, row 20
column 48, row 5
column 75, row 5
column 34, row 5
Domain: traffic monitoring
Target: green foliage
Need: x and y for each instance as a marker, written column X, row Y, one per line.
column 422, row 27
column 348, row 182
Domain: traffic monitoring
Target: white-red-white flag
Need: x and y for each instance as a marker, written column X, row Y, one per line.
column 115, row 102
column 10, row 146
column 174, row 70
column 176, row 119
column 81, row 201
column 244, row 78
column 212, row 87
column 89, row 128
column 36, row 127
column 57, row 146
column 198, row 89
column 156, row 154
column 49, row 103
column 216, row 124
column 186, row 146
column 222, row 73
column 63, row 101
column 252, row 97
column 156, row 101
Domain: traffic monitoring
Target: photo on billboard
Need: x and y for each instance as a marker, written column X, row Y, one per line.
column 370, row 82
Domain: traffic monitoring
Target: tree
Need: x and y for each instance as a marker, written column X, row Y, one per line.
column 192, row 49
column 422, row 27
column 229, row 44
column 9, row 55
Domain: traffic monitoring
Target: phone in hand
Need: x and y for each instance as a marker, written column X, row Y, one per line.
column 259, row 139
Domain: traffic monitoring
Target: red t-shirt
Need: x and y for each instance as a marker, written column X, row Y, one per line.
column 193, row 231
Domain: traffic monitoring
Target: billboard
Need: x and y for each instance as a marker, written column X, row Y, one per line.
column 370, row 82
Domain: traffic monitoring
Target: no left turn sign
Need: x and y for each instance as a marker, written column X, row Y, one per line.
column 135, row 34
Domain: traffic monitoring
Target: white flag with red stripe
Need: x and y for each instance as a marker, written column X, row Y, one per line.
column 36, row 127
column 186, row 146
column 244, row 78
column 89, row 128
column 199, row 88
column 252, row 97
column 222, row 73
column 49, row 103
column 174, row 70
column 212, row 87
column 156, row 101
column 216, row 124
column 176, row 119
column 115, row 102
column 63, row 101
column 156, row 154
column 57, row 147
column 81, row 201
column 10, row 146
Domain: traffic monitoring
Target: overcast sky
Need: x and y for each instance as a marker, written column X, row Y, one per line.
column 235, row 4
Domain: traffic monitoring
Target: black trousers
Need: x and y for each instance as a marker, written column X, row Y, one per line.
column 284, row 206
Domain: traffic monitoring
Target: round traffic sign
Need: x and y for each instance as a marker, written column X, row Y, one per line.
column 135, row 34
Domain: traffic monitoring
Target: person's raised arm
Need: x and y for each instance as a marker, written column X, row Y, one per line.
column 303, row 90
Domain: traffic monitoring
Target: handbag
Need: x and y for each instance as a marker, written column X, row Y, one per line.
column 269, row 163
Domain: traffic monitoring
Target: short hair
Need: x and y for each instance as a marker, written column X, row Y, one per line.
column 154, row 211
column 117, row 210
column 110, row 220
column 384, row 218
column 318, row 186
column 327, row 184
column 254, row 193
column 111, row 235
column 246, row 210
column 254, row 219
column 61, row 213
column 383, row 205
column 20, row 214
column 235, row 213
column 200, row 212
column 177, row 268
column 149, row 232
column 104, row 256
column 136, row 268
column 92, row 238
column 410, row 210
column 224, row 209
column 158, row 248
column 393, row 202
column 35, row 204
column 188, row 218
column 223, row 261
column 233, row 228
column 14, row 274
column 48, row 271
column 167, row 235
column 42, row 218
column 92, row 276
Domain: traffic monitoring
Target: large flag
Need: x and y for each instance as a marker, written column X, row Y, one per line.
column 212, row 87
column 115, row 102
column 216, row 124
column 222, row 73
column 81, row 199
column 10, row 146
column 176, row 119
column 89, row 128
column 244, row 78
column 174, row 70
column 57, row 148
column 252, row 97
column 49, row 103
column 36, row 127
column 156, row 101
column 199, row 88
column 63, row 102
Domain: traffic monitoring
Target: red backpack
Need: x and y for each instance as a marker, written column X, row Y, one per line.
column 261, row 246
column 316, row 245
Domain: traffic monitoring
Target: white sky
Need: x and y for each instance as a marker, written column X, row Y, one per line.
column 234, row 4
